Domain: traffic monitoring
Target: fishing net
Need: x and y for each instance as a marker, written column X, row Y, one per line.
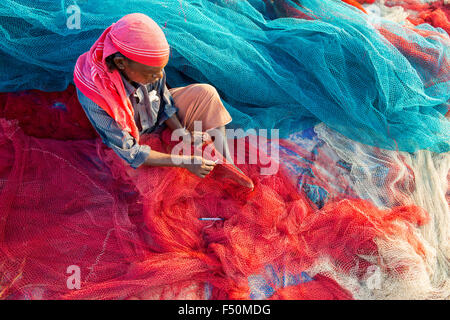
column 358, row 208
column 389, row 179
column 339, row 220
column 309, row 61
column 137, row 233
column 435, row 13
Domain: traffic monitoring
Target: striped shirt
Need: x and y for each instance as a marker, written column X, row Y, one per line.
column 149, row 102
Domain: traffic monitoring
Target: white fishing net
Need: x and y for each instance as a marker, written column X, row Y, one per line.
column 388, row 179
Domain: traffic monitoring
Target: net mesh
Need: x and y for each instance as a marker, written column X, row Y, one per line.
column 357, row 210
column 388, row 179
column 137, row 234
column 389, row 81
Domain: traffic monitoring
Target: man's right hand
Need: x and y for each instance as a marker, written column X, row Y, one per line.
column 199, row 166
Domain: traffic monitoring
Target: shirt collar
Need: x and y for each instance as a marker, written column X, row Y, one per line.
column 129, row 88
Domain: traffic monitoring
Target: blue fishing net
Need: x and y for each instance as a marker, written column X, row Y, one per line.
column 320, row 61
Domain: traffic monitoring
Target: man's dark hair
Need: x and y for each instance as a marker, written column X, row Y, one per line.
column 109, row 60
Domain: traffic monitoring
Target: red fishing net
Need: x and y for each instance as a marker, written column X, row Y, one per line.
column 138, row 233
column 56, row 115
column 435, row 13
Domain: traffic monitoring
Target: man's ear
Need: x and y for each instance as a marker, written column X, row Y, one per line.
column 120, row 62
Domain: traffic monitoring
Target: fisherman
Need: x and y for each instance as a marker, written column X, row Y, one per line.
column 121, row 85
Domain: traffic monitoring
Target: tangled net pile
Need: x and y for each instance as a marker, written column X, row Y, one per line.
column 357, row 210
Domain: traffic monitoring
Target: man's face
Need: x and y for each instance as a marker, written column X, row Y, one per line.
column 139, row 72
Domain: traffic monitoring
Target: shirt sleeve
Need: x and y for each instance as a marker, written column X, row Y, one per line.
column 122, row 142
column 167, row 102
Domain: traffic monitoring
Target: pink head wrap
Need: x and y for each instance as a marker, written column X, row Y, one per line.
column 138, row 38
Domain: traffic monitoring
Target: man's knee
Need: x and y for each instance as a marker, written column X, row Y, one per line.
column 206, row 90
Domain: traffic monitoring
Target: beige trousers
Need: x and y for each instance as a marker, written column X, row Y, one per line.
column 200, row 102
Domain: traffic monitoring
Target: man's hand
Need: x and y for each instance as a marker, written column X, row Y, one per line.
column 196, row 137
column 199, row 166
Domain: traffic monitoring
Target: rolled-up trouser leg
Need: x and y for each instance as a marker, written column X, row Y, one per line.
column 200, row 102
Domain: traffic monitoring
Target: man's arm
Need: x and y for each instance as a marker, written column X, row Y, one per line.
column 174, row 122
column 123, row 144
column 170, row 117
column 167, row 103
column 128, row 149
